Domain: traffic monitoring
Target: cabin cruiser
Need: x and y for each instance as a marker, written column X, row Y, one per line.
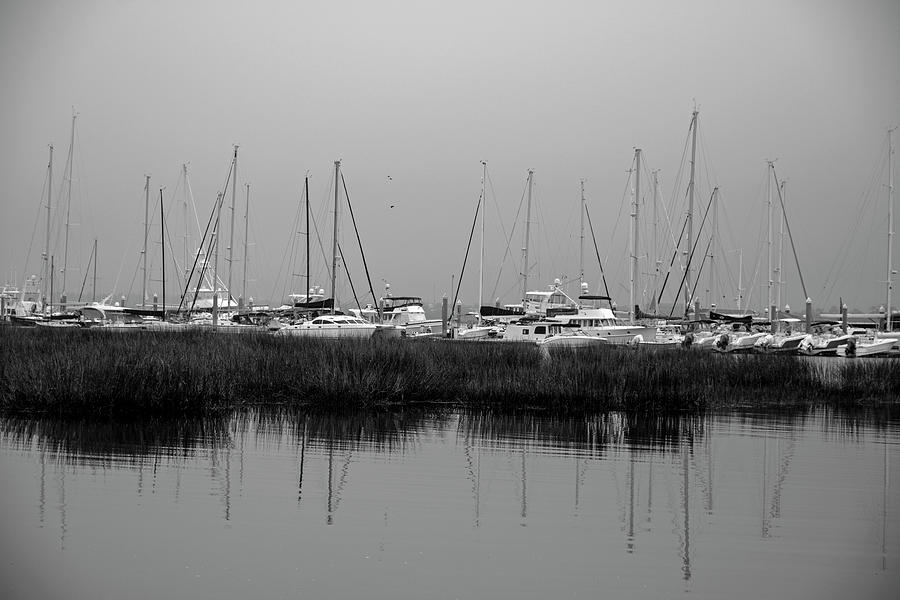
column 547, row 334
column 331, row 327
column 404, row 315
column 587, row 315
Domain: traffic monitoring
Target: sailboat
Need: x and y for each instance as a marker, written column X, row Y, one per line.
column 331, row 325
column 889, row 342
column 479, row 329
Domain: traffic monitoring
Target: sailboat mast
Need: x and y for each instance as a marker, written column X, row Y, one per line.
column 780, row 289
column 162, row 242
column 527, row 238
column 769, row 281
column 146, row 231
column 45, row 280
column 50, row 304
column 656, row 261
column 306, row 193
column 246, row 230
column 581, row 245
column 481, row 251
column 712, row 247
column 890, row 268
column 184, row 208
column 632, row 311
column 215, row 248
column 334, row 238
column 96, row 258
column 233, row 202
column 688, row 288
column 68, row 203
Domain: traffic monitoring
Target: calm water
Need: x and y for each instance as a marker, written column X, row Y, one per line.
column 453, row 506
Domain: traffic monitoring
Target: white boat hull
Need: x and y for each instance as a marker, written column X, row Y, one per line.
column 877, row 348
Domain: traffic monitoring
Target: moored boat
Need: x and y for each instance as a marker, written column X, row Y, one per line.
column 331, row 327
column 872, row 347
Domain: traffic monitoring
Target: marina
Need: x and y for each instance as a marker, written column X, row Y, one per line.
column 464, row 300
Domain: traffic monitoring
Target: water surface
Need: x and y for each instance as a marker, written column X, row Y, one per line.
column 452, row 505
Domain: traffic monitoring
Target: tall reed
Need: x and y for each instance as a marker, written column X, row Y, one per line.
column 80, row 373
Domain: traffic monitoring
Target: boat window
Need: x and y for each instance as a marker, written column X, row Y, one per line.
column 524, row 332
column 540, row 330
column 325, row 322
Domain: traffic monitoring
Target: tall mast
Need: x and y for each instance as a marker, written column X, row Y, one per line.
column 68, row 202
column 96, row 258
column 481, row 251
column 246, row 230
column 184, row 207
column 306, row 193
column 890, row 268
column 527, row 239
column 162, row 241
column 688, row 288
column 656, row 261
column 769, row 281
column 231, row 241
column 45, row 280
column 712, row 247
column 334, row 245
column 146, row 230
column 215, row 248
column 50, row 304
column 634, row 238
column 780, row 288
column 581, row 246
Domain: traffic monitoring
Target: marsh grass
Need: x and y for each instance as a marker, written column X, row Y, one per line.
column 84, row 373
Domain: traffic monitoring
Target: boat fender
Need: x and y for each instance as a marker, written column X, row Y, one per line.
column 722, row 341
column 638, row 339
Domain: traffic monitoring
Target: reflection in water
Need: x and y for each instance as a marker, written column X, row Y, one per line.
column 666, row 492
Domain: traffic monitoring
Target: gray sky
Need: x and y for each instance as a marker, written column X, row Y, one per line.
column 412, row 96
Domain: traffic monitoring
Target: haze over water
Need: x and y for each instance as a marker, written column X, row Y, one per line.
column 412, row 96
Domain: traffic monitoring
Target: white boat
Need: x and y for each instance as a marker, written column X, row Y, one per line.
column 594, row 320
column 549, row 334
column 780, row 344
column 331, row 326
column 404, row 315
column 571, row 338
column 736, row 342
column 823, row 345
column 544, row 303
column 873, row 347
column 103, row 315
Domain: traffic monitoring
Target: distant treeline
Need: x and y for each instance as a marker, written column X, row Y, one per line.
column 95, row 373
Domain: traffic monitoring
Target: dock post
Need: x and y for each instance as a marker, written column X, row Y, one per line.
column 808, row 315
column 844, row 318
column 444, row 316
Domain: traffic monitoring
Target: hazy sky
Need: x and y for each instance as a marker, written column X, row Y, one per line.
column 412, row 96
